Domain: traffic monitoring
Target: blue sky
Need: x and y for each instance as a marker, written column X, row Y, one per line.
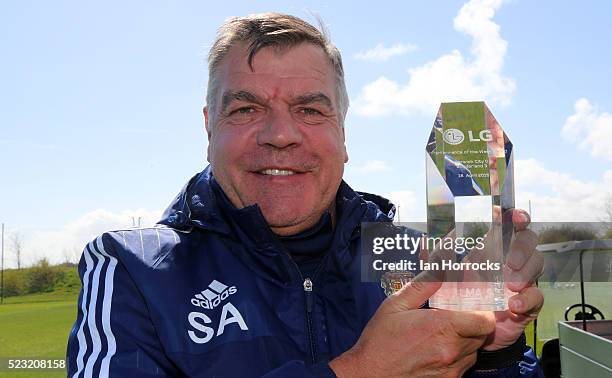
column 100, row 104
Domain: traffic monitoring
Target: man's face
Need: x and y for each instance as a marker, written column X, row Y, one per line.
column 275, row 139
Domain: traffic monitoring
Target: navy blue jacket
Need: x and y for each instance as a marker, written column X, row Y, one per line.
column 197, row 295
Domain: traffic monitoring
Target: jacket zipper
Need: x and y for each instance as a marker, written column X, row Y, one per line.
column 308, row 289
column 308, row 285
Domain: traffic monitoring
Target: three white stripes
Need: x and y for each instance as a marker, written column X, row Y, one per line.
column 89, row 313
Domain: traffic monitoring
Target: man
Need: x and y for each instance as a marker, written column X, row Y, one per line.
column 254, row 268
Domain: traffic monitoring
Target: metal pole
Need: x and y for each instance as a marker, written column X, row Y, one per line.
column 530, row 214
column 2, row 269
column 535, row 321
column 584, row 322
column 535, row 336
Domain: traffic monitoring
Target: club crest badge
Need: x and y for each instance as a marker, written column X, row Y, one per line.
column 391, row 282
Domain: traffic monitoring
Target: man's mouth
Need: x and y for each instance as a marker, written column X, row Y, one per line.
column 277, row 172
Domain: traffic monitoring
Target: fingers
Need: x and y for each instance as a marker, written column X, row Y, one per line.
column 473, row 324
column 517, row 280
column 520, row 218
column 412, row 295
column 459, row 336
column 460, row 358
column 466, row 363
column 522, row 248
column 528, row 302
column 524, row 263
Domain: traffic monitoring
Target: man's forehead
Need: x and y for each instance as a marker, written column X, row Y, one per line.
column 289, row 89
column 294, row 72
column 301, row 60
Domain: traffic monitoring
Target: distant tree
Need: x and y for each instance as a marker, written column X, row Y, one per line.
column 14, row 284
column 566, row 232
column 17, row 244
column 607, row 218
column 70, row 256
column 42, row 277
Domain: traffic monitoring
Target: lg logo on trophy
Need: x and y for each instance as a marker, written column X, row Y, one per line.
column 455, row 136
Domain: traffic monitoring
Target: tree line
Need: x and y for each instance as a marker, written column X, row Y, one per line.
column 41, row 277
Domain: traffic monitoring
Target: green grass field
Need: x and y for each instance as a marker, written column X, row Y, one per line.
column 37, row 325
column 558, row 298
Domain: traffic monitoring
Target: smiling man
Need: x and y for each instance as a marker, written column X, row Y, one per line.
column 254, row 269
column 276, row 134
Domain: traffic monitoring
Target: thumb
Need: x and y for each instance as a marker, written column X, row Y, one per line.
column 412, row 295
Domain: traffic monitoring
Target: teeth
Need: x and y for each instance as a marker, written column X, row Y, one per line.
column 277, row 172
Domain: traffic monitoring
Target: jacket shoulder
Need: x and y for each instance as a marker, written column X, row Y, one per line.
column 148, row 245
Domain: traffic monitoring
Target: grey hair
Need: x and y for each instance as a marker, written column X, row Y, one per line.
column 275, row 30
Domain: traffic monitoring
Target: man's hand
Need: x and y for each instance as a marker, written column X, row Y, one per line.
column 523, row 266
column 402, row 340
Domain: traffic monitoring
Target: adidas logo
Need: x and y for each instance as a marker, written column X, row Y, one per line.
column 212, row 296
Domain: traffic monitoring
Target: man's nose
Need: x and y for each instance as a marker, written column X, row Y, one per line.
column 280, row 131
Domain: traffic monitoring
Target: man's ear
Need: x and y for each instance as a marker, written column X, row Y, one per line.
column 207, row 127
column 346, row 157
column 206, row 123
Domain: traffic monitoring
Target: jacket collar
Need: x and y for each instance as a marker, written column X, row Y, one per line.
column 197, row 206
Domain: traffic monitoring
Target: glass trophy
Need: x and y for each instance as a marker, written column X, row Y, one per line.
column 469, row 188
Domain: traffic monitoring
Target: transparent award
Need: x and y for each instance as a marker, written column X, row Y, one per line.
column 469, row 188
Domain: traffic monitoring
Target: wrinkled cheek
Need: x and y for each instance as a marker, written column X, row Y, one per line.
column 225, row 164
column 226, row 150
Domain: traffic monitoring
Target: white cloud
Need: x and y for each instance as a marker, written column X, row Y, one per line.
column 373, row 166
column 451, row 77
column 380, row 53
column 68, row 241
column 590, row 129
column 556, row 196
column 410, row 210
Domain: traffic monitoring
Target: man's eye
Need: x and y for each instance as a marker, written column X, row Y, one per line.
column 310, row 111
column 243, row 115
column 310, row 115
column 243, row 110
